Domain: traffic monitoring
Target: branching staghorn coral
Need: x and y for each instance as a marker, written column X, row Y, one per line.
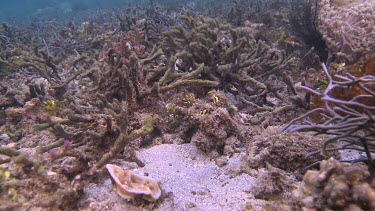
column 122, row 79
column 12, row 40
column 128, row 66
column 230, row 56
column 350, row 122
column 59, row 40
column 121, row 62
column 52, row 69
column 58, row 53
column 19, row 158
column 125, row 79
column 125, row 137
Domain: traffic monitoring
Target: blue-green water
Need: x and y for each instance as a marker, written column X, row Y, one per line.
column 24, row 10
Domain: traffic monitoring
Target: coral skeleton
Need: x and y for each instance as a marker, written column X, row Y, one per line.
column 129, row 185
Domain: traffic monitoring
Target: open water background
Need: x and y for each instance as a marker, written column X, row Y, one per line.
column 24, row 10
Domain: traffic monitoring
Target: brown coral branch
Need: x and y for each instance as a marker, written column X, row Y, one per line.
column 195, row 82
column 124, row 139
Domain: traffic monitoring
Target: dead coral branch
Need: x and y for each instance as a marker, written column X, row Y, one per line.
column 126, row 138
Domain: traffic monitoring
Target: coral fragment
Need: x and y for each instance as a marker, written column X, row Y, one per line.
column 129, row 185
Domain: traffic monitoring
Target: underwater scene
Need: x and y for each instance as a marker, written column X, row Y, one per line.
column 187, row 105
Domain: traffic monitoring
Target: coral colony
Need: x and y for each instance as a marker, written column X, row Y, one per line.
column 81, row 95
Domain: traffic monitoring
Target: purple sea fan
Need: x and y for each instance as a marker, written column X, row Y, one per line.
column 350, row 123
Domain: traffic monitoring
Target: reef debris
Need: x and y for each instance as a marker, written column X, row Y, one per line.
column 129, row 185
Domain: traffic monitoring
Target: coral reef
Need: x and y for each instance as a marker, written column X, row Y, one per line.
column 78, row 95
column 336, row 186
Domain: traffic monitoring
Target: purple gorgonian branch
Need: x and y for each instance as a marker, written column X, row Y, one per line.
column 349, row 123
